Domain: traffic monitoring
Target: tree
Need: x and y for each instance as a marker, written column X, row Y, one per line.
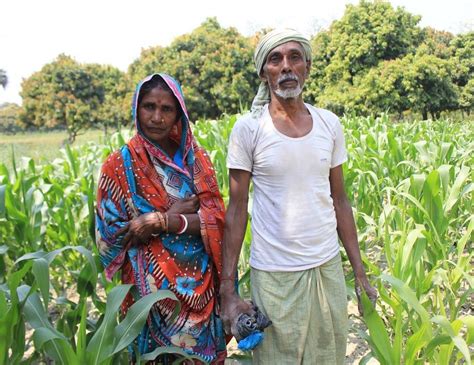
column 420, row 83
column 463, row 75
column 114, row 91
column 61, row 95
column 213, row 64
column 437, row 43
column 367, row 34
column 3, row 78
column 8, row 117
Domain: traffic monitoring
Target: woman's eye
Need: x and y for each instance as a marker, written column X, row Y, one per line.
column 149, row 107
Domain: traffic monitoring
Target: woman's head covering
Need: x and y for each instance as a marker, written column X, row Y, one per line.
column 268, row 42
column 181, row 134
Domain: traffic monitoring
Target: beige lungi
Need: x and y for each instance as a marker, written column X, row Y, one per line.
column 309, row 314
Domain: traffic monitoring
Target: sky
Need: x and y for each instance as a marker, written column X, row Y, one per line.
column 33, row 33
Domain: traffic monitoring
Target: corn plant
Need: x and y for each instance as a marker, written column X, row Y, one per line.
column 411, row 185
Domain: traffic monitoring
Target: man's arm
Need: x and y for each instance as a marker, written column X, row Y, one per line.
column 235, row 225
column 347, row 232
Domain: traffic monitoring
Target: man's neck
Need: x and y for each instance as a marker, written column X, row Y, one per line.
column 286, row 108
column 290, row 116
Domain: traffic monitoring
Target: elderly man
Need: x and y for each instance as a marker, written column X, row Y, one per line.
column 293, row 153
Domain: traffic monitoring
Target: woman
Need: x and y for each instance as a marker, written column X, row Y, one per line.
column 160, row 219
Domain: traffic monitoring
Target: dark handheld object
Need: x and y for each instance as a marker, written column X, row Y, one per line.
column 247, row 324
column 248, row 329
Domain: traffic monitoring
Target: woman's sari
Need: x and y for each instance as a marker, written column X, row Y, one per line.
column 142, row 178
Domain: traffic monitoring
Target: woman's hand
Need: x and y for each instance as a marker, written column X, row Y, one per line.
column 140, row 229
column 188, row 205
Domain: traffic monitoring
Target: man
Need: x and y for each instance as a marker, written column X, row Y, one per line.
column 293, row 153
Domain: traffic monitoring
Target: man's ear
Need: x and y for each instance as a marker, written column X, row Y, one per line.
column 263, row 76
column 308, row 67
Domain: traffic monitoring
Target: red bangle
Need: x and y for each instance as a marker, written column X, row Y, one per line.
column 183, row 226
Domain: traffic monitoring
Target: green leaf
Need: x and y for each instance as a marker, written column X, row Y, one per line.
column 408, row 295
column 41, row 271
column 378, row 332
column 81, row 335
column 454, row 193
column 457, row 340
column 135, row 319
column 3, row 189
column 55, row 346
column 100, row 346
column 36, row 316
column 415, row 343
column 150, row 356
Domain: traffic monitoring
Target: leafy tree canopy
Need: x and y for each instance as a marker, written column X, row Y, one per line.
column 69, row 95
column 213, row 64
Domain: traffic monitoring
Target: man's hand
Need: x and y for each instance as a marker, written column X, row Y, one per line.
column 188, row 205
column 231, row 307
column 139, row 229
column 363, row 284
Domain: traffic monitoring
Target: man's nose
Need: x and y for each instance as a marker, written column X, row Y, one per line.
column 286, row 64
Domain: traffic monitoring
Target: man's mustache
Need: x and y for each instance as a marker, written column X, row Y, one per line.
column 287, row 77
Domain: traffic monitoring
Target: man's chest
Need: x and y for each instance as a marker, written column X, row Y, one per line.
column 285, row 157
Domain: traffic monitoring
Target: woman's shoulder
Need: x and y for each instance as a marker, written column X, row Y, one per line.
column 112, row 161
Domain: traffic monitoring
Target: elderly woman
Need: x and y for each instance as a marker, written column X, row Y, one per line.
column 160, row 220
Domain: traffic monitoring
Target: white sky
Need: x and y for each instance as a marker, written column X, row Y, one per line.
column 35, row 32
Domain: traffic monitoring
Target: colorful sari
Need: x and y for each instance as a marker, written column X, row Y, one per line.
column 142, row 178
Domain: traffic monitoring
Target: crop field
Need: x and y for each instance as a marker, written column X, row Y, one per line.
column 411, row 185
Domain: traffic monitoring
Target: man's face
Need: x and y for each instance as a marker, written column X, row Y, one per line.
column 286, row 70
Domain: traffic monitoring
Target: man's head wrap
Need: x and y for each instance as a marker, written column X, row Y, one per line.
column 268, row 42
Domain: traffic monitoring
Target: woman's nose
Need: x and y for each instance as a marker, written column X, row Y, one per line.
column 156, row 117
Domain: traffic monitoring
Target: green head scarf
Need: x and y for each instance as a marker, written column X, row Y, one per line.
column 267, row 43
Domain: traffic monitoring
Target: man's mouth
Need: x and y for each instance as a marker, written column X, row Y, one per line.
column 288, row 81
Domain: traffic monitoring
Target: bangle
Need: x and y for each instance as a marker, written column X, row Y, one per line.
column 163, row 220
column 184, row 224
column 166, row 219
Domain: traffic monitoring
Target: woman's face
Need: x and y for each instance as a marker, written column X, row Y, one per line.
column 157, row 114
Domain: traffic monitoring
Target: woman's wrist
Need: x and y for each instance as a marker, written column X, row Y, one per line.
column 178, row 223
column 183, row 224
column 161, row 222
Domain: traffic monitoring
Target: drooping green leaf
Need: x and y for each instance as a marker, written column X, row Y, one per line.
column 133, row 323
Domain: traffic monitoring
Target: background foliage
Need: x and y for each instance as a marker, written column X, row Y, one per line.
column 375, row 58
column 411, row 184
